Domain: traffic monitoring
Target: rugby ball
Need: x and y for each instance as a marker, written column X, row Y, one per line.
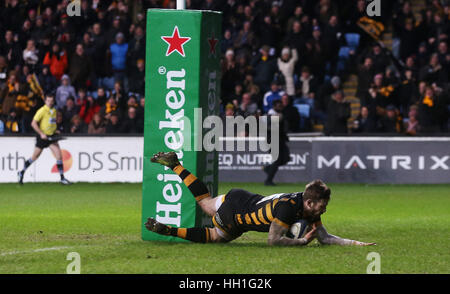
column 298, row 229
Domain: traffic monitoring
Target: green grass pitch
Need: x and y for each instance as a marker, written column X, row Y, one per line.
column 41, row 223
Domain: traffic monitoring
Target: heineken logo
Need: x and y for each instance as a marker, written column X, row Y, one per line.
column 212, row 44
column 175, row 42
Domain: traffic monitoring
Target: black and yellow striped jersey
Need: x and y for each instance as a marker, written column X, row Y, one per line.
column 253, row 212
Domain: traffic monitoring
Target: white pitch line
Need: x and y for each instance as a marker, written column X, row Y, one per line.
column 36, row 250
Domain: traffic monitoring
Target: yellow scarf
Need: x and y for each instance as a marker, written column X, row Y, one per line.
column 428, row 101
column 110, row 108
column 13, row 126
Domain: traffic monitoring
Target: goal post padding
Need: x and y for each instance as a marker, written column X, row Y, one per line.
column 182, row 77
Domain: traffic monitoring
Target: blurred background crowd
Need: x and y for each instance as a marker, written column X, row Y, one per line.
column 321, row 65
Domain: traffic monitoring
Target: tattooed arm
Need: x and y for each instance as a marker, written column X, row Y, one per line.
column 324, row 238
column 277, row 236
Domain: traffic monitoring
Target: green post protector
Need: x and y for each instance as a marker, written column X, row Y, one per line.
column 182, row 88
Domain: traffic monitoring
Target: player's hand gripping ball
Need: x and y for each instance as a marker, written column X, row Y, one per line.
column 298, row 229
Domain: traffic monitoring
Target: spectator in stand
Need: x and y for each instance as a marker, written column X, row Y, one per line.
column 247, row 106
column 295, row 37
column 82, row 95
column 391, row 122
column 10, row 48
column 119, row 95
column 246, row 39
column 47, row 81
column 316, row 54
column 324, row 96
column 411, row 64
column 77, row 125
column 31, row 55
column 365, row 77
column 56, row 59
column 9, row 93
column 110, row 107
column 101, row 66
column 422, row 55
column 27, row 116
column 408, row 39
column 89, row 107
column 264, row 68
column 364, row 123
column 406, row 92
column 61, row 125
column 379, row 58
column 235, row 97
column 307, row 87
column 378, row 96
column 227, row 41
column 132, row 124
column 137, row 79
column 113, row 125
column 97, row 125
column 12, row 123
column 132, row 102
column 64, row 91
column 80, row 68
column 268, row 33
column 411, row 126
column 69, row 111
column 274, row 94
column 252, row 88
column 427, row 116
column 433, row 72
column 332, row 38
column 136, row 47
column 291, row 114
column 338, row 113
column 286, row 65
column 119, row 51
column 114, row 29
column 400, row 17
column 229, row 73
column 444, row 54
column 65, row 31
column 229, row 111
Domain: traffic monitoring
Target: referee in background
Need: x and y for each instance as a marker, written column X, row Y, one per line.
column 44, row 124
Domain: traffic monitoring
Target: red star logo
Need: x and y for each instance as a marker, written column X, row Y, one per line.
column 175, row 42
column 212, row 44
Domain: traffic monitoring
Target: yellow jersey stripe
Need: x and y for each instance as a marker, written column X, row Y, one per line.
column 247, row 219
column 269, row 212
column 283, row 224
column 182, row 233
column 261, row 217
column 274, row 203
column 201, row 197
column 189, row 179
column 239, row 219
column 255, row 220
column 178, row 169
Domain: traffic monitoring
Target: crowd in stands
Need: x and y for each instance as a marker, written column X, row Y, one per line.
column 295, row 54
